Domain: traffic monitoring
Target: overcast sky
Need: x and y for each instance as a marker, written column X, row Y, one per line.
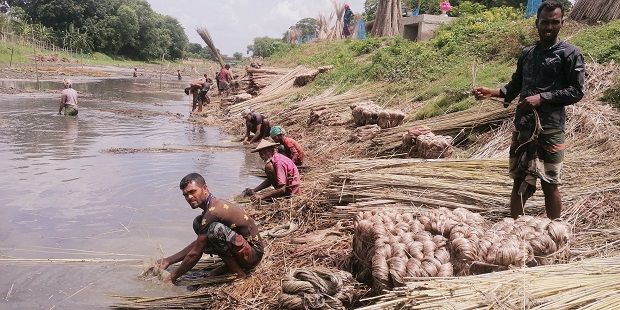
column 233, row 24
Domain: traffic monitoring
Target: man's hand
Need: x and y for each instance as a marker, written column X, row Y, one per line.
column 481, row 93
column 531, row 102
column 256, row 198
column 168, row 281
column 246, row 142
column 163, row 263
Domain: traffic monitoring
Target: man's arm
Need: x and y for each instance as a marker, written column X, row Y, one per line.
column 191, row 258
column 175, row 258
column 63, row 100
column 258, row 133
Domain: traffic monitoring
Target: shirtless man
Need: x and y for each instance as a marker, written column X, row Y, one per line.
column 223, row 229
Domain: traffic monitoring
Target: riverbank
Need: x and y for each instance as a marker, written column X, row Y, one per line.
column 343, row 175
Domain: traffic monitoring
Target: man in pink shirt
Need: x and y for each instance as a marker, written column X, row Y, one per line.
column 224, row 79
column 281, row 172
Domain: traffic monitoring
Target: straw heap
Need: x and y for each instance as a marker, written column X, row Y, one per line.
column 368, row 113
column 587, row 284
column 389, row 246
column 316, row 288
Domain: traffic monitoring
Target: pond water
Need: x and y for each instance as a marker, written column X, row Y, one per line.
column 65, row 195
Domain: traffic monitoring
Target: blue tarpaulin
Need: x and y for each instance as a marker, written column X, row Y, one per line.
column 532, row 7
column 360, row 29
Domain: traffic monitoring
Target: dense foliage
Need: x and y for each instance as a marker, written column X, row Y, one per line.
column 128, row 28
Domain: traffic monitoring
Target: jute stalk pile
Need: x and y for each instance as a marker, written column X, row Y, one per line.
column 368, row 113
column 586, row 284
column 317, row 288
column 389, row 19
column 594, row 11
column 390, row 246
column 420, row 142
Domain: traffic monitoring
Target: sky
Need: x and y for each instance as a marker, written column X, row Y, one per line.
column 233, row 24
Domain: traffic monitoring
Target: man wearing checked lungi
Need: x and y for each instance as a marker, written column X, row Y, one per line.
column 549, row 76
column 223, row 229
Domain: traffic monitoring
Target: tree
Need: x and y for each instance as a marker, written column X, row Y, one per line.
column 194, row 48
column 308, row 27
column 238, row 55
column 265, row 46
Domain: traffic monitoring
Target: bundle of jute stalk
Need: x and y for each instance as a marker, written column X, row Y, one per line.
column 317, row 288
column 584, row 284
column 364, row 133
column 368, row 113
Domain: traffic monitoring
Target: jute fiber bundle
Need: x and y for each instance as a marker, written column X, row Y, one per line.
column 323, row 115
column 368, row 113
column 427, row 145
column 318, row 288
column 389, row 246
column 364, row 133
column 458, row 125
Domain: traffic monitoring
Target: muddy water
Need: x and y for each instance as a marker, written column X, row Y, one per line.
column 65, row 195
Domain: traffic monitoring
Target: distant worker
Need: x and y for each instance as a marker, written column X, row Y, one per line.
column 224, row 78
column 179, row 75
column 68, row 99
column 194, row 89
column 255, row 123
column 135, row 72
column 288, row 147
column 223, row 229
column 346, row 27
column 549, row 76
column 204, row 90
column 281, row 173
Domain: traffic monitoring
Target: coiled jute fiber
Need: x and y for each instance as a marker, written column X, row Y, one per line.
column 368, row 113
column 420, row 142
column 390, row 246
column 317, row 288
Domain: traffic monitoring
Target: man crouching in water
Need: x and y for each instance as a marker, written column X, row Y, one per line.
column 223, row 229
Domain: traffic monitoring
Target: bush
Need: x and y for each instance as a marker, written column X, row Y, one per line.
column 600, row 42
column 496, row 34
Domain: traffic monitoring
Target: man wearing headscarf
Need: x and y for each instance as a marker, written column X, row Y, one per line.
column 348, row 13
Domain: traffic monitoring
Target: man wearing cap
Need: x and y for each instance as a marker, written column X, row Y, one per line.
column 223, row 229
column 288, row 147
column 68, row 99
column 281, row 172
column 255, row 123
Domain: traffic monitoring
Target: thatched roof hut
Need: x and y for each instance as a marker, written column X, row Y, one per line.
column 593, row 11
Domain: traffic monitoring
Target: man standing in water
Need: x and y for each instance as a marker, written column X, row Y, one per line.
column 68, row 99
column 223, row 229
column 549, row 76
